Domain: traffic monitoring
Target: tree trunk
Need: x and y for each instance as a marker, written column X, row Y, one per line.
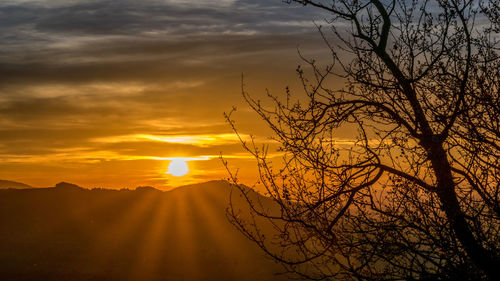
column 482, row 258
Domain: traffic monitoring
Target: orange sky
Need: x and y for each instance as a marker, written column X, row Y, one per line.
column 106, row 93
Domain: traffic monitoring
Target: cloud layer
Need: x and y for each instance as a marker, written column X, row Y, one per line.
column 73, row 72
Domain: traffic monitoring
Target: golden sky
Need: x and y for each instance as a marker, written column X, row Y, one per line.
column 106, row 93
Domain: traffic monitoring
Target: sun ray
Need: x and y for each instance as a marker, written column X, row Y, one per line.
column 154, row 242
column 113, row 239
column 188, row 240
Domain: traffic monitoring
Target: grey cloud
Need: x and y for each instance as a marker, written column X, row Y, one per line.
column 102, row 40
column 150, row 61
column 135, row 17
column 138, row 17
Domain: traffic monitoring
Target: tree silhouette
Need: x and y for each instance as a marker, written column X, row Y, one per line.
column 414, row 195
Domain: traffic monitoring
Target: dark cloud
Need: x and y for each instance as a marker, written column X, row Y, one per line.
column 146, row 60
column 105, row 21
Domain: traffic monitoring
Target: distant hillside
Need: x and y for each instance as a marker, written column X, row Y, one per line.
column 147, row 188
column 69, row 233
column 13, row 184
column 67, row 186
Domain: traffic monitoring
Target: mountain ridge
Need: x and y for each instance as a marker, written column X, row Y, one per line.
column 4, row 184
column 99, row 234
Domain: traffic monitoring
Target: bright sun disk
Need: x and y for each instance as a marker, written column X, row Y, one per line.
column 177, row 168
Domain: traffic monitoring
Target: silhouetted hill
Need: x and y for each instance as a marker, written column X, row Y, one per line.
column 147, row 189
column 13, row 184
column 183, row 234
column 67, row 186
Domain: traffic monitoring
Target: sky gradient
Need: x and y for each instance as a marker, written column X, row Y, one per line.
column 106, row 93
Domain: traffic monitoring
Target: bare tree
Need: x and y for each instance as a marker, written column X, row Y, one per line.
column 414, row 194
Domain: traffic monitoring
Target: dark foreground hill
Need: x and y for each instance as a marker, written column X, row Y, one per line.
column 69, row 233
column 13, row 184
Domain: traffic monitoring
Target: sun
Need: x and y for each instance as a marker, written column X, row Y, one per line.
column 178, row 168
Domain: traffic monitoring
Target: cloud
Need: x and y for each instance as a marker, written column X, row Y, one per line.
column 109, row 81
column 197, row 140
column 87, row 41
column 195, row 3
column 69, row 3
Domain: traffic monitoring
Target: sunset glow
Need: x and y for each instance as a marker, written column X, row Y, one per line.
column 108, row 101
column 222, row 140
